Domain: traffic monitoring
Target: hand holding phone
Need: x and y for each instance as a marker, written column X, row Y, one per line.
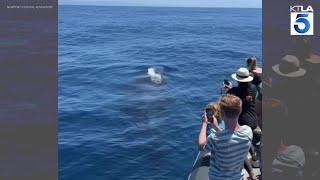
column 204, row 117
column 215, row 124
column 209, row 114
column 227, row 84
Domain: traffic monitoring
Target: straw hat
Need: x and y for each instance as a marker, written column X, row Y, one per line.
column 289, row 67
column 242, row 75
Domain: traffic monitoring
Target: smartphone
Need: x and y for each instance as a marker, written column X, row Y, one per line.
column 209, row 113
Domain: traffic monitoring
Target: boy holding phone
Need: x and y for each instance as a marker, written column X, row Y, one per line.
column 230, row 146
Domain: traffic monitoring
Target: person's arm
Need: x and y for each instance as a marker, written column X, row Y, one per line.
column 230, row 91
column 215, row 125
column 254, row 92
column 203, row 132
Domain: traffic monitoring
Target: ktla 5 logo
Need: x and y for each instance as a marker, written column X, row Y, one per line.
column 301, row 20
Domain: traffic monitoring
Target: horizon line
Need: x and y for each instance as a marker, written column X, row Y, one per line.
column 105, row 5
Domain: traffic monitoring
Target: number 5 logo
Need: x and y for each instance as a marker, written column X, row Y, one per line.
column 301, row 23
column 301, row 19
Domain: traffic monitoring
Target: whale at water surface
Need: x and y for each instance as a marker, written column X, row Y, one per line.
column 154, row 76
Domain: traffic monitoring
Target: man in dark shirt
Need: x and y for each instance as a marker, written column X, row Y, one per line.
column 247, row 93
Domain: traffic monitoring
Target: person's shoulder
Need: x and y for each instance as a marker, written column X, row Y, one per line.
column 293, row 156
column 217, row 136
column 295, row 149
column 258, row 70
column 212, row 139
column 246, row 130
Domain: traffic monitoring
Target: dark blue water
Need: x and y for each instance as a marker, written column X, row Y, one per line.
column 114, row 122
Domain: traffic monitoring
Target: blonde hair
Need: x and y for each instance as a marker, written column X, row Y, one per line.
column 251, row 63
column 214, row 106
column 230, row 106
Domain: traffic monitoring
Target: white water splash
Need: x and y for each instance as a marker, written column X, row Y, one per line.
column 154, row 76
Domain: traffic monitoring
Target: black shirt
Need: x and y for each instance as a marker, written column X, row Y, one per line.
column 256, row 79
column 248, row 115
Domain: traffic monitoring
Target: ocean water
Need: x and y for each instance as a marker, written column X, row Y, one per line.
column 117, row 123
